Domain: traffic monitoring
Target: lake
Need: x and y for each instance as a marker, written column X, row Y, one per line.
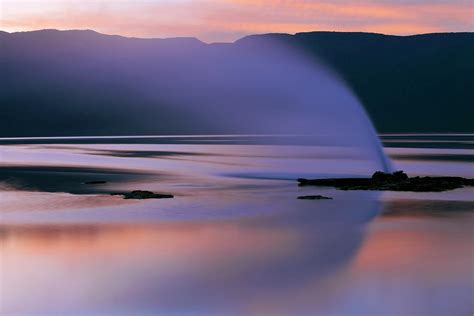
column 234, row 240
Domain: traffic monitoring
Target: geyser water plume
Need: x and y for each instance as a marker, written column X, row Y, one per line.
column 263, row 87
column 124, row 86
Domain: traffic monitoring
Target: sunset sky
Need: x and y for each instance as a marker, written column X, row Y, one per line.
column 228, row 20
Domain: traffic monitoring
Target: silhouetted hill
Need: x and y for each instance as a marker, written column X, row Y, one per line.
column 410, row 83
column 86, row 83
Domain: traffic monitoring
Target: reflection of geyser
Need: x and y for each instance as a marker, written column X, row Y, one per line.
column 289, row 251
column 265, row 89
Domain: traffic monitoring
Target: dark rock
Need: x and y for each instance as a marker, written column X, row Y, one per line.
column 397, row 181
column 336, row 182
column 380, row 176
column 140, row 195
column 314, row 197
column 95, row 182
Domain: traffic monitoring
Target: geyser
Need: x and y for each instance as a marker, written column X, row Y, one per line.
column 83, row 83
column 264, row 88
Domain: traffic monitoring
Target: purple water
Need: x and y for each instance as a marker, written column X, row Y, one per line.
column 234, row 240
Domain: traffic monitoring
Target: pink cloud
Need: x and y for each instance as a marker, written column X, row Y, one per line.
column 227, row 20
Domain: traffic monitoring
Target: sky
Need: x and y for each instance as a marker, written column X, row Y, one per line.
column 228, row 20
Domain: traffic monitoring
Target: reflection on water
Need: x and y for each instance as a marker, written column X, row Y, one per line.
column 226, row 266
column 253, row 266
column 235, row 240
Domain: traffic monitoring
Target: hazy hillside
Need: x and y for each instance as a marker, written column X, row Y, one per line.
column 86, row 83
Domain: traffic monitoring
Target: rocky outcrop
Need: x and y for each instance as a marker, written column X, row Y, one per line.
column 95, row 182
column 140, row 195
column 314, row 197
column 397, row 181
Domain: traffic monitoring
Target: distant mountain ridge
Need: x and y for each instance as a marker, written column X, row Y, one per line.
column 85, row 83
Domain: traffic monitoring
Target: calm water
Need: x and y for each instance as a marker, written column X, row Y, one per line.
column 234, row 240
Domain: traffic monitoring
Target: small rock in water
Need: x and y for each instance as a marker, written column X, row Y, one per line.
column 140, row 195
column 314, row 197
column 95, row 182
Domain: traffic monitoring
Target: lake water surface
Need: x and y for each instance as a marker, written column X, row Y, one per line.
column 234, row 240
